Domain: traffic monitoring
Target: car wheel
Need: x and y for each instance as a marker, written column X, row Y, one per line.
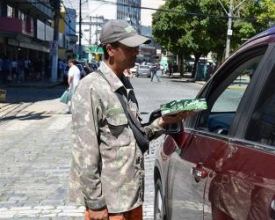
column 159, row 208
column 137, row 75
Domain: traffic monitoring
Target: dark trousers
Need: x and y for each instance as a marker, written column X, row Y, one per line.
column 154, row 74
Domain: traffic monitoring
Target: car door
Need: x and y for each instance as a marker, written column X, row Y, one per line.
column 215, row 158
column 244, row 188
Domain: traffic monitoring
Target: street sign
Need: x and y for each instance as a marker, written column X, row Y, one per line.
column 53, row 47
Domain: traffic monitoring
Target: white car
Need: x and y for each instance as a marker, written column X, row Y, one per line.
column 143, row 70
column 133, row 70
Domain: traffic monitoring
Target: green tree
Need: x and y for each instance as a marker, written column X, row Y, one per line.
column 184, row 28
column 251, row 18
column 197, row 27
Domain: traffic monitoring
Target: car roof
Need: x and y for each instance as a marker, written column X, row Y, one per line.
column 269, row 31
column 266, row 33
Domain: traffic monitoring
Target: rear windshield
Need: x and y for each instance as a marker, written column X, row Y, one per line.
column 144, row 67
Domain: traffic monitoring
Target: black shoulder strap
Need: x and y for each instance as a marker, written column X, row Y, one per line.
column 134, row 123
column 131, row 118
column 129, row 114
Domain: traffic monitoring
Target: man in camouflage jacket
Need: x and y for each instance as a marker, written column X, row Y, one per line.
column 107, row 169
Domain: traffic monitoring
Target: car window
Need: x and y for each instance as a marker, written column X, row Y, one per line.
column 227, row 95
column 144, row 67
column 261, row 127
column 230, row 98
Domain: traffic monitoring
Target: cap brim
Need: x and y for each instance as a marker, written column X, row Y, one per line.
column 135, row 41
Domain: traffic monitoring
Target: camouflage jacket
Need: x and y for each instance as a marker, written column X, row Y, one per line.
column 107, row 166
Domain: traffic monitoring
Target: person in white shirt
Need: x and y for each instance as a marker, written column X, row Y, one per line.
column 73, row 79
column 73, row 76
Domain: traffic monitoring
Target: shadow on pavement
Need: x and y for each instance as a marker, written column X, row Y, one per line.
column 32, row 92
column 29, row 116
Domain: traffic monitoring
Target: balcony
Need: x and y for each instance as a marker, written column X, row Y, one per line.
column 35, row 8
column 12, row 26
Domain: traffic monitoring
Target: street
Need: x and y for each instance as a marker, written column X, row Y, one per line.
column 35, row 148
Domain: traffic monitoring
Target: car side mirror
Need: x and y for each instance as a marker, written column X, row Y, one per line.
column 170, row 128
column 173, row 128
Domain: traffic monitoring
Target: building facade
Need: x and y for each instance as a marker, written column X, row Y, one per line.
column 67, row 26
column 26, row 29
column 91, row 15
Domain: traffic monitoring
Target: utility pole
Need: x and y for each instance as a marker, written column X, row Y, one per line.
column 80, row 31
column 90, row 31
column 96, row 31
column 54, row 44
column 229, row 24
column 229, row 29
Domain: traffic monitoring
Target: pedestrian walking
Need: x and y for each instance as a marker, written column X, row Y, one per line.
column 60, row 69
column 170, row 67
column 20, row 70
column 7, row 70
column 155, row 70
column 14, row 70
column 73, row 79
column 107, row 169
column 27, row 67
column 73, row 76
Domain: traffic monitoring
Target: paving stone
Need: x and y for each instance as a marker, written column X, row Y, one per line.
column 35, row 152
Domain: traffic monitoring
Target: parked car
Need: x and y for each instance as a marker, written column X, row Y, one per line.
column 143, row 70
column 66, row 70
column 219, row 165
column 93, row 65
column 133, row 70
column 151, row 65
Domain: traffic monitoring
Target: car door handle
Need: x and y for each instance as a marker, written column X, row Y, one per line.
column 199, row 172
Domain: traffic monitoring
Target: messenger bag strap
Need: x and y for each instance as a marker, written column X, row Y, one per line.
column 128, row 112
column 134, row 123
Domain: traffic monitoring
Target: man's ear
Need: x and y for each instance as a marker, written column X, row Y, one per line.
column 110, row 49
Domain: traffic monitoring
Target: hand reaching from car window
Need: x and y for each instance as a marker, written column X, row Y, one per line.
column 172, row 119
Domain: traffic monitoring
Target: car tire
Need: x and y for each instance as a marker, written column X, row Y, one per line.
column 137, row 75
column 159, row 207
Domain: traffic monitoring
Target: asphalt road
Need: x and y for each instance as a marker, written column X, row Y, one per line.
column 35, row 148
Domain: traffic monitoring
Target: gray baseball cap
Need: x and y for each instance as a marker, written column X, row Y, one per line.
column 122, row 32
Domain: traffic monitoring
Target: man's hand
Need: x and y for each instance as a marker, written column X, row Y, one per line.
column 101, row 214
column 172, row 119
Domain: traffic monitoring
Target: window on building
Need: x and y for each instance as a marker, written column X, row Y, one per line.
column 10, row 12
column 21, row 15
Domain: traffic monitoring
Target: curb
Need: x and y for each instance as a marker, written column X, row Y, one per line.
column 33, row 85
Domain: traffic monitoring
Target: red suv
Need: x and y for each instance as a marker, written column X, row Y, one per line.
column 220, row 164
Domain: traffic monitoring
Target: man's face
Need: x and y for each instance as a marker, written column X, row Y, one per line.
column 126, row 56
column 70, row 64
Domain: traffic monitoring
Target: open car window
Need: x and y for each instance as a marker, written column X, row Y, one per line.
column 224, row 100
column 261, row 126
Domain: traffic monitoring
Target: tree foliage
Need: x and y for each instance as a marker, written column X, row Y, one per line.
column 197, row 27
